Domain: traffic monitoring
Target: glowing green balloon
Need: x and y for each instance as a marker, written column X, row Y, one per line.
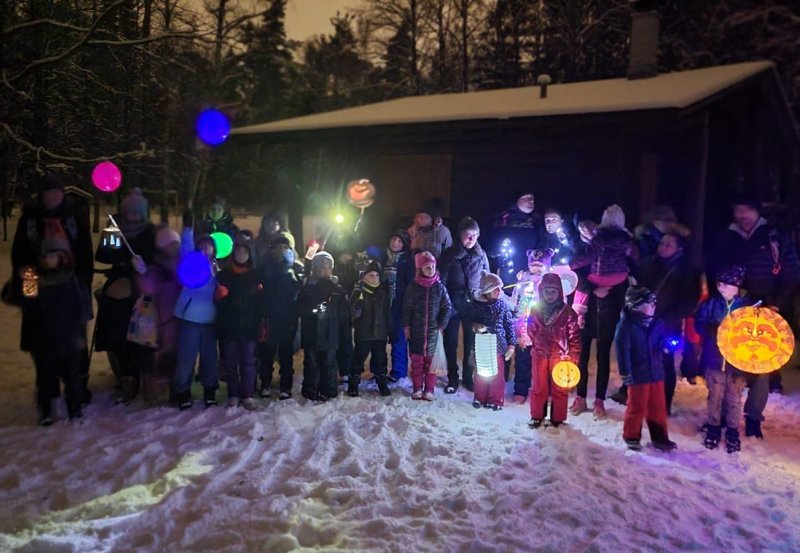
column 224, row 244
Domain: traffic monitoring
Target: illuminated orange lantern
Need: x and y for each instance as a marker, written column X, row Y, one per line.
column 566, row 374
column 361, row 193
column 755, row 340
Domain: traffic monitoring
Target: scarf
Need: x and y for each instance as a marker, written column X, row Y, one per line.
column 426, row 282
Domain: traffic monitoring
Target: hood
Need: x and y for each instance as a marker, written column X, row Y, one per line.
column 552, row 280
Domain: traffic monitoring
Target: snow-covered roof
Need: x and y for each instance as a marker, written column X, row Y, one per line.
column 670, row 90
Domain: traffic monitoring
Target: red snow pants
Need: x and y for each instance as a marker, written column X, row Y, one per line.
column 491, row 389
column 542, row 386
column 646, row 402
column 421, row 377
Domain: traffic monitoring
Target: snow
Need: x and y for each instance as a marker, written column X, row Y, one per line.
column 380, row 475
column 669, row 90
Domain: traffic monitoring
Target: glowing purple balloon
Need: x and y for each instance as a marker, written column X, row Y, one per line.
column 194, row 270
column 106, row 176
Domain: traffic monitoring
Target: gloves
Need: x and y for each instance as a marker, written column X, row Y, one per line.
column 509, row 353
column 138, row 264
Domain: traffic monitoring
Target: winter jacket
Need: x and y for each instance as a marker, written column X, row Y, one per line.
column 564, row 249
column 559, row 338
column 225, row 224
column 196, row 305
column 54, row 322
column 425, row 312
column 460, row 270
column 676, row 285
column 755, row 253
column 609, row 253
column 496, row 316
column 523, row 230
column 434, row 239
column 640, row 349
column 281, row 292
column 30, row 232
column 398, row 272
column 162, row 285
column 239, row 305
column 370, row 310
column 324, row 315
column 647, row 237
column 709, row 316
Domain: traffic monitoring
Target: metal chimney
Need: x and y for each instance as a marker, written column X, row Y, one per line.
column 645, row 27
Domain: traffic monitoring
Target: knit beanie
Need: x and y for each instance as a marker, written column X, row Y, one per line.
column 321, row 260
column 137, row 203
column 613, row 216
column 373, row 267
column 489, row 282
column 637, row 295
column 423, row 259
column 733, row 276
column 468, row 223
column 166, row 236
column 551, row 280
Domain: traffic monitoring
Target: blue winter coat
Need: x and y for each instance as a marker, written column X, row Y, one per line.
column 196, row 305
column 639, row 349
column 707, row 320
column 496, row 316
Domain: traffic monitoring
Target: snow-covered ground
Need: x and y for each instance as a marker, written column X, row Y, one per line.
column 377, row 474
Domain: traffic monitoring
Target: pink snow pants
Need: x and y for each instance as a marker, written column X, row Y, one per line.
column 542, row 386
column 421, row 377
column 491, row 389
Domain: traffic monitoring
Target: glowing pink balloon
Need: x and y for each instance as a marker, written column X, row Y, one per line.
column 106, row 176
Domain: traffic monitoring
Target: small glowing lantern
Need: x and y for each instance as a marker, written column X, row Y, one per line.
column 486, row 354
column 566, row 374
column 755, row 340
column 111, row 238
column 361, row 193
column 30, row 283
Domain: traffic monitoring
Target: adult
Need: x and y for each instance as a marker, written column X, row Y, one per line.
column 517, row 230
column 398, row 272
column 557, row 236
column 428, row 233
column 658, row 221
column 772, row 276
column 460, row 269
column 274, row 230
column 120, row 291
column 217, row 219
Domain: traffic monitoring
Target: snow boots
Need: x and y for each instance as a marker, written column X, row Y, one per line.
column 383, row 386
column 634, row 445
column 534, row 423
column 210, row 397
column 599, row 410
column 713, row 436
column 752, row 427
column 732, row 442
column 621, row 396
column 578, row 406
column 666, row 446
column 352, row 387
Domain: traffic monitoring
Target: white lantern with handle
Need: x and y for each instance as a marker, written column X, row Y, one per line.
column 486, row 354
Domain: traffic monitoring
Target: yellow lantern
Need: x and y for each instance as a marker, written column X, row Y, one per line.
column 361, row 193
column 755, row 340
column 566, row 374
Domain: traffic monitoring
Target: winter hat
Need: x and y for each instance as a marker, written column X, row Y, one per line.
column 468, row 223
column 545, row 257
column 733, row 276
column 402, row 234
column 613, row 216
column 49, row 181
column 137, row 203
column 748, row 199
column 662, row 213
column 321, row 260
column 489, row 282
column 638, row 295
column 424, row 259
column 373, row 267
column 166, row 236
column 523, row 191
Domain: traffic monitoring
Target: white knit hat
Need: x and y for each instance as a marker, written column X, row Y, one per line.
column 613, row 216
column 166, row 236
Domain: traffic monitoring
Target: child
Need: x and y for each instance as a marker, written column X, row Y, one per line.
column 725, row 382
column 54, row 328
column 397, row 273
column 196, row 314
column 640, row 342
column 426, row 311
column 283, row 286
column 491, row 314
column 524, row 297
column 238, row 319
column 370, row 310
column 555, row 336
column 324, row 323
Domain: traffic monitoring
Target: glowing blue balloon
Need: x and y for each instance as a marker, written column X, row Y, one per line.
column 213, row 127
column 194, row 270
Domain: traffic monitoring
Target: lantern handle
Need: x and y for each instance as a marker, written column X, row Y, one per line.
column 122, row 235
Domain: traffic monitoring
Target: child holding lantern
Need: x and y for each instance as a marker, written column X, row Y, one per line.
column 555, row 337
column 491, row 315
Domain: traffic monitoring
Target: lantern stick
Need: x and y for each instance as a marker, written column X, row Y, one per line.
column 122, row 234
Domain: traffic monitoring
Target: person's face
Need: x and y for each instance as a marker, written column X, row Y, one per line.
column 395, row 244
column 325, row 272
column 372, row 278
column 428, row 270
column 52, row 199
column 727, row 291
column 552, row 222
column 173, row 249
column 422, row 220
column 241, row 255
column 526, row 203
column 550, row 295
column 215, row 212
column 273, row 226
column 648, row 309
column 668, row 247
column 745, row 216
column 587, row 233
column 494, row 294
column 469, row 238
column 131, row 215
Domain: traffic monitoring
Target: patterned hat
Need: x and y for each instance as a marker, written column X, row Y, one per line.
column 489, row 282
column 423, row 259
column 638, row 295
column 733, row 276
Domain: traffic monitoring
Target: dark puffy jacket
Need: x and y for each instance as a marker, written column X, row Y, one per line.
column 324, row 315
column 564, row 249
column 647, row 239
column 281, row 292
column 755, row 254
column 425, row 311
column 496, row 316
column 676, row 285
column 707, row 320
column 609, row 253
column 54, row 322
column 398, row 272
column 640, row 349
column 371, row 312
column 523, row 230
column 460, row 270
column 239, row 313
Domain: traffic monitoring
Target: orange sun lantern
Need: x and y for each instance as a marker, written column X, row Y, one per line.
column 361, row 193
column 566, row 374
column 755, row 340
